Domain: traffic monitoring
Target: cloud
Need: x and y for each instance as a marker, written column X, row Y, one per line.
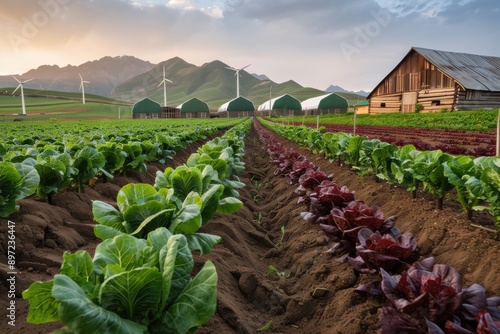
column 180, row 4
column 425, row 8
column 284, row 39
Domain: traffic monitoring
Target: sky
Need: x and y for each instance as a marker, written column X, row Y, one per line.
column 350, row 43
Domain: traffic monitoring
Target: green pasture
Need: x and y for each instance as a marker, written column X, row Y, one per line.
column 64, row 106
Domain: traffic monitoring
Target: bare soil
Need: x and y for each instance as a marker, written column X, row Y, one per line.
column 308, row 292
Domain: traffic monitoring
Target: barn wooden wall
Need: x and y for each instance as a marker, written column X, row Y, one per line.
column 414, row 73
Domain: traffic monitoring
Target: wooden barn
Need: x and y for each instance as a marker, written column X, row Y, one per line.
column 438, row 80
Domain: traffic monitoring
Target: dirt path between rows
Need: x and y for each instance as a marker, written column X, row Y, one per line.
column 305, row 291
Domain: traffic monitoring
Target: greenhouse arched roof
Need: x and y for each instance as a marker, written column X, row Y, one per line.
column 327, row 101
column 283, row 102
column 194, row 105
column 146, row 106
column 237, row 104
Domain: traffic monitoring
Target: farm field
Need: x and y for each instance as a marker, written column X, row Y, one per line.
column 272, row 264
column 47, row 105
column 460, row 133
column 458, row 142
column 469, row 120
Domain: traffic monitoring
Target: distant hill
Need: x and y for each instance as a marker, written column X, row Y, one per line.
column 130, row 79
column 211, row 82
column 103, row 74
column 261, row 77
column 338, row 89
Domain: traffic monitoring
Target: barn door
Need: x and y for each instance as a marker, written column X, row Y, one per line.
column 409, row 102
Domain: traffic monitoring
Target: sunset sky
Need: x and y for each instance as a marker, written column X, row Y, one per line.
column 350, row 43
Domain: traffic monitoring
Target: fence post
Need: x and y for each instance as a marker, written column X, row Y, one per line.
column 498, row 134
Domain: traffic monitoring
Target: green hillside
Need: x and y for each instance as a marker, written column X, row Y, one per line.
column 45, row 105
column 212, row 82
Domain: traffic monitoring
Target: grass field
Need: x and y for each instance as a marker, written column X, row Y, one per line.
column 49, row 105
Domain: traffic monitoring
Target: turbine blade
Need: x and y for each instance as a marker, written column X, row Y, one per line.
column 163, row 71
column 19, row 81
column 231, row 68
column 81, row 79
column 25, row 81
column 16, row 88
column 245, row 66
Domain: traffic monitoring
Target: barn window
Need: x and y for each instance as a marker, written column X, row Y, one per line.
column 382, row 105
column 436, row 103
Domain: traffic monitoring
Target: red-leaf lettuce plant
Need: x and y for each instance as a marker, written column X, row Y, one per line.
column 386, row 251
column 344, row 224
column 429, row 298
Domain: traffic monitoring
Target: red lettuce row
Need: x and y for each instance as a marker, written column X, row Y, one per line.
column 423, row 297
column 430, row 296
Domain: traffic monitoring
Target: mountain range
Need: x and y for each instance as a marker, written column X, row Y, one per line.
column 338, row 89
column 130, row 79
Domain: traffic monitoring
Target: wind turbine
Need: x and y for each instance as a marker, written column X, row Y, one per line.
column 82, row 87
column 21, row 84
column 164, row 82
column 237, row 74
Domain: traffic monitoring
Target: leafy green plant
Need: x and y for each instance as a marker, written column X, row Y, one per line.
column 429, row 169
column 418, row 108
column 352, row 153
column 88, row 162
column 55, row 173
column 142, row 209
column 114, row 158
column 266, row 327
column 258, row 220
column 272, row 270
column 461, row 172
column 280, row 241
column 17, row 181
column 490, row 187
column 402, row 168
column 135, row 159
column 130, row 286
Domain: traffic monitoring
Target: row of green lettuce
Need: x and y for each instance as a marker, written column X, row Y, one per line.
column 469, row 120
column 476, row 181
column 47, row 164
column 140, row 279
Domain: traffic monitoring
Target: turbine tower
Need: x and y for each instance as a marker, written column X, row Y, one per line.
column 21, row 84
column 164, row 82
column 237, row 74
column 82, row 87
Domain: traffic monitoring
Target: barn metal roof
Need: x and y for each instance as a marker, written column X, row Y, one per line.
column 469, row 70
